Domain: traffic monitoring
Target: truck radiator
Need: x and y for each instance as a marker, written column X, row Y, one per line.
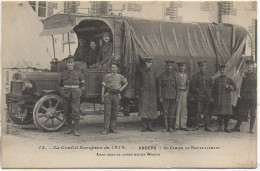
column 16, row 88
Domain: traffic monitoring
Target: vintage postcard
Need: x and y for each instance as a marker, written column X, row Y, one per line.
column 129, row 84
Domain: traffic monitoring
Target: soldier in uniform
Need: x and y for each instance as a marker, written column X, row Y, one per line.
column 146, row 94
column 248, row 97
column 70, row 85
column 183, row 88
column 222, row 88
column 201, row 85
column 167, row 86
column 106, row 50
column 92, row 54
column 112, row 85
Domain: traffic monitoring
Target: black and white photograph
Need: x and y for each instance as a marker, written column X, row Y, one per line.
column 129, row 84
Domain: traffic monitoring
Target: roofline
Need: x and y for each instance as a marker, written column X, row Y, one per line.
column 136, row 18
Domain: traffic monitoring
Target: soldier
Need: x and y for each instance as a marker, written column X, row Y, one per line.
column 167, row 86
column 146, row 95
column 92, row 54
column 112, row 85
column 222, row 88
column 70, row 85
column 201, row 85
column 105, row 51
column 248, row 96
column 183, row 88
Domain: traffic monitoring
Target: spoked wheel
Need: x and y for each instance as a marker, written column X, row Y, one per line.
column 48, row 113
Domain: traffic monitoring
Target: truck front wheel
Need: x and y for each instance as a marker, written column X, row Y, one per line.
column 48, row 113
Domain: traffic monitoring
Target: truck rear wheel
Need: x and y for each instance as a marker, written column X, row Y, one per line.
column 48, row 113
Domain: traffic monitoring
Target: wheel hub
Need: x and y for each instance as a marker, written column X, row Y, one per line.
column 51, row 113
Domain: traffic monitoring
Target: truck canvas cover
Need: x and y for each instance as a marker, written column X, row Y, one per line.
column 190, row 42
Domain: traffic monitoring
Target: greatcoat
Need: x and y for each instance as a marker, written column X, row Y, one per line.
column 222, row 95
column 146, row 90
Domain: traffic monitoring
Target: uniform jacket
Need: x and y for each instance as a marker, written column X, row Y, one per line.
column 91, row 57
column 71, row 78
column 167, row 85
column 249, row 86
column 146, row 89
column 187, row 82
column 105, row 53
column 201, row 85
column 222, row 95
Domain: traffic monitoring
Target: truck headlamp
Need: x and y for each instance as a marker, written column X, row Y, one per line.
column 17, row 77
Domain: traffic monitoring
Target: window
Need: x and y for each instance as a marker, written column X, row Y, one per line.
column 40, row 7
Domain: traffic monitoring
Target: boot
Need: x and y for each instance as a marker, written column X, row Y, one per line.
column 105, row 131
column 150, row 125
column 185, row 129
column 144, row 123
column 171, row 125
column 76, row 127
column 166, row 125
column 196, row 127
column 112, row 126
column 226, row 125
column 207, row 124
column 69, row 126
column 112, row 130
column 219, row 125
column 252, row 122
column 237, row 126
column 174, row 125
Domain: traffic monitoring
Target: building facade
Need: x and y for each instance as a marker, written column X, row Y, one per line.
column 233, row 12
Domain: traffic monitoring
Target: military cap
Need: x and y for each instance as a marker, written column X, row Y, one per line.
column 250, row 61
column 70, row 58
column 92, row 41
column 202, row 62
column 181, row 63
column 222, row 66
column 115, row 62
column 169, row 62
column 148, row 59
column 105, row 34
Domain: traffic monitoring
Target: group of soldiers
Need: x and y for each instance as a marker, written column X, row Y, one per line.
column 93, row 56
column 173, row 89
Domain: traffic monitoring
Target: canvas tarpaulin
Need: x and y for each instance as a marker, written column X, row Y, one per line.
column 189, row 42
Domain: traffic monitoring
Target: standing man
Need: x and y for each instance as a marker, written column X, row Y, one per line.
column 112, row 85
column 146, row 94
column 106, row 50
column 183, row 88
column 222, row 88
column 248, row 97
column 70, row 86
column 201, row 84
column 167, row 86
